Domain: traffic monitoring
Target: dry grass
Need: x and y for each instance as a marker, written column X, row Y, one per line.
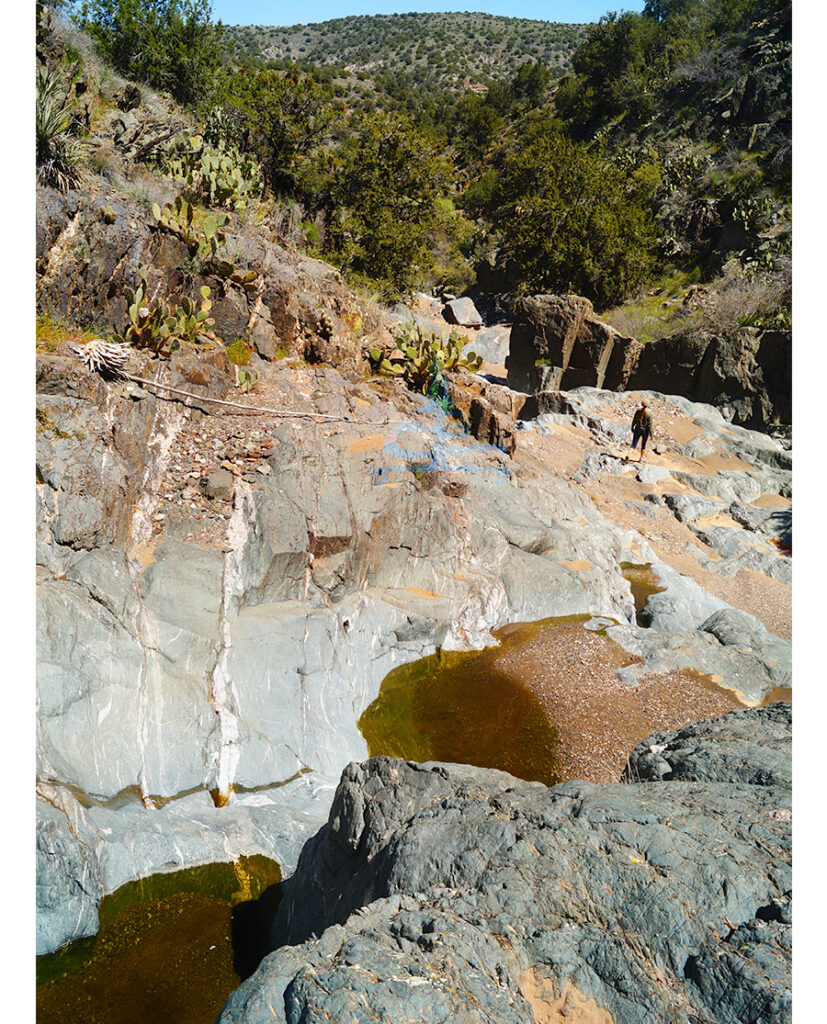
column 146, row 187
column 736, row 298
column 52, row 329
column 656, row 313
column 732, row 299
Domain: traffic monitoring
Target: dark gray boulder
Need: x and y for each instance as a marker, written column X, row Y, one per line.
column 750, row 745
column 445, row 892
column 670, row 365
column 746, row 372
column 218, row 484
column 751, row 372
column 546, row 327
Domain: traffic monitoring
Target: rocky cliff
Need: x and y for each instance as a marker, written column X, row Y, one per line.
column 444, row 892
column 557, row 342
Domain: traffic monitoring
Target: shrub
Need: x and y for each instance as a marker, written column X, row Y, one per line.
column 571, row 220
column 740, row 297
column 171, row 44
column 385, row 193
column 283, row 116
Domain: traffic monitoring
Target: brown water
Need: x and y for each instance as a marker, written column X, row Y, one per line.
column 547, row 704
column 170, row 948
column 644, row 583
column 469, row 708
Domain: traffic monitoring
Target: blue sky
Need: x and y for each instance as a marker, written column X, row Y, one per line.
column 271, row 12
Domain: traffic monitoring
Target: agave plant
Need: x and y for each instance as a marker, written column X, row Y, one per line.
column 59, row 151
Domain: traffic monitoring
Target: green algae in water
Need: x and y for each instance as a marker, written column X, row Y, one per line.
column 170, row 948
column 461, row 707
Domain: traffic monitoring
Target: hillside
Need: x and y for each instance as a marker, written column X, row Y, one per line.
column 452, row 153
column 459, row 47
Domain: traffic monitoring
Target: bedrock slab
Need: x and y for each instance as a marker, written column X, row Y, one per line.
column 172, row 665
column 447, row 892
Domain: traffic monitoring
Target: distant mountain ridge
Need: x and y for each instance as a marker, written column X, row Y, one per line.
column 466, row 46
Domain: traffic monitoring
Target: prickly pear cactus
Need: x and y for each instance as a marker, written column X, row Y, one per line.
column 217, row 175
column 156, row 327
column 198, row 228
column 422, row 358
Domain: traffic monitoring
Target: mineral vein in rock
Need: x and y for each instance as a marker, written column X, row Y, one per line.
column 221, row 692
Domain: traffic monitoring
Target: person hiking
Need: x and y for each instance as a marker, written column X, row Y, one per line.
column 641, row 429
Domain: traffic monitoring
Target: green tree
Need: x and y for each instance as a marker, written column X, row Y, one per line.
column 385, row 194
column 570, row 219
column 624, row 66
column 660, row 10
column 283, row 117
column 170, row 44
column 476, row 124
column 530, row 83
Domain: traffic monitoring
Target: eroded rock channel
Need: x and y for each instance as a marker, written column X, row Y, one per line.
column 206, row 652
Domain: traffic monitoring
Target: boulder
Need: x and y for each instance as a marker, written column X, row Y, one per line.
column 491, row 426
column 747, row 372
column 687, row 507
column 462, row 312
column 704, row 644
column 590, row 353
column 622, row 362
column 218, row 484
column 546, row 328
column 651, row 474
column 670, row 365
column 750, row 745
column 488, row 409
column 491, row 343
column 750, row 372
column 437, row 888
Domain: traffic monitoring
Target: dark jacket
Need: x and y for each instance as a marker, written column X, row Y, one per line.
column 642, row 420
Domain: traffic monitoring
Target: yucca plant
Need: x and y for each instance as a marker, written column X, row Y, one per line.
column 59, row 151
